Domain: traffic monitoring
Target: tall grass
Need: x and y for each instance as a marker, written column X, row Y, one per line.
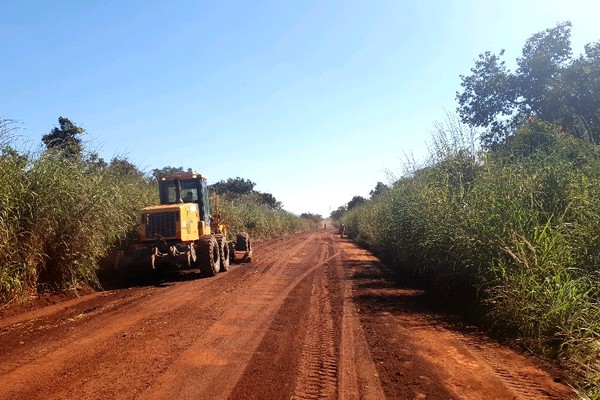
column 244, row 214
column 59, row 217
column 14, row 278
column 515, row 230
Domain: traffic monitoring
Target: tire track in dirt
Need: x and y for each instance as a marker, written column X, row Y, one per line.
column 164, row 324
column 422, row 353
column 312, row 317
column 358, row 377
column 318, row 370
column 524, row 381
column 312, row 349
column 280, row 352
column 223, row 354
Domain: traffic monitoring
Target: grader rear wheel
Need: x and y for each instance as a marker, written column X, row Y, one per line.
column 231, row 247
column 243, row 243
column 223, row 252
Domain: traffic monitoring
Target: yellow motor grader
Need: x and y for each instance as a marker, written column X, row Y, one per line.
column 181, row 232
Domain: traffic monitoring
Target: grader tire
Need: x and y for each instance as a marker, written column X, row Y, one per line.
column 231, row 247
column 243, row 243
column 223, row 252
column 191, row 256
column 208, row 257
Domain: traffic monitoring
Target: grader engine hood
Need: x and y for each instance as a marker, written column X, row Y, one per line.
column 172, row 221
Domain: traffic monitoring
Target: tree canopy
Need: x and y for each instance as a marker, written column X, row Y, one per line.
column 270, row 200
column 356, row 201
column 315, row 218
column 337, row 214
column 378, row 190
column 548, row 84
column 158, row 173
column 65, row 138
column 236, row 186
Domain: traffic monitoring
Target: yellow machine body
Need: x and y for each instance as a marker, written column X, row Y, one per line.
column 172, row 221
column 181, row 232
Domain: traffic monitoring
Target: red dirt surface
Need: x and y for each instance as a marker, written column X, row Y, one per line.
column 312, row 317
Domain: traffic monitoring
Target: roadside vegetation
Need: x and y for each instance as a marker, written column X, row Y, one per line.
column 260, row 214
column 244, row 214
column 503, row 217
column 64, row 210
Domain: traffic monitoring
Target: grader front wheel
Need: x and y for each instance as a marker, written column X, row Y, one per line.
column 191, row 255
column 209, row 259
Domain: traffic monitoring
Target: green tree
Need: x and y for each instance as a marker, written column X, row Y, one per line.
column 580, row 89
column 124, row 167
column 235, row 186
column 270, row 200
column 158, row 173
column 379, row 189
column 238, row 187
column 95, row 162
column 337, row 214
column 65, row 138
column 315, row 218
column 356, row 201
column 548, row 84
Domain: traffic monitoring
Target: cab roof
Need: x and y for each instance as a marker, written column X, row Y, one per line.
column 183, row 175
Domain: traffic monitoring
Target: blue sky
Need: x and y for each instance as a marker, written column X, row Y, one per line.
column 315, row 101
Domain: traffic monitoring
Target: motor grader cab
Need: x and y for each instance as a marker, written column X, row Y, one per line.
column 181, row 232
column 185, row 189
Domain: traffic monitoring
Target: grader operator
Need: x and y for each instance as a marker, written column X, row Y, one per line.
column 180, row 232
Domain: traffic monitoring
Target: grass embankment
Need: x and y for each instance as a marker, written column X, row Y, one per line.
column 515, row 230
column 61, row 216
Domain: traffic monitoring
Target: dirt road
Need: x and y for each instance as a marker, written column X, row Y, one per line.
column 312, row 317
